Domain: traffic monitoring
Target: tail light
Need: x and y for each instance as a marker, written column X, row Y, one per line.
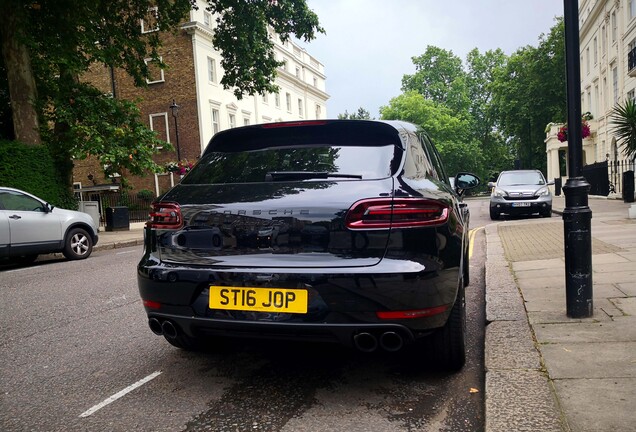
column 383, row 213
column 165, row 216
column 410, row 314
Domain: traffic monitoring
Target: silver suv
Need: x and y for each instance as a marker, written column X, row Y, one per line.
column 520, row 192
column 30, row 226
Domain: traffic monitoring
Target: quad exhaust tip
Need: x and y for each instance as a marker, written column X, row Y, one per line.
column 163, row 328
column 368, row 342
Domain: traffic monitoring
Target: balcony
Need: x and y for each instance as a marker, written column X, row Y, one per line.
column 631, row 62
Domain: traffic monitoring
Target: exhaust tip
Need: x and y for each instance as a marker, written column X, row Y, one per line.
column 155, row 326
column 391, row 341
column 365, row 342
column 169, row 329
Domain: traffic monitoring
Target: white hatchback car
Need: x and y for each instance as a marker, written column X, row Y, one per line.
column 30, row 226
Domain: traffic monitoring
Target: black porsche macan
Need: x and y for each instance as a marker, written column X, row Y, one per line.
column 342, row 231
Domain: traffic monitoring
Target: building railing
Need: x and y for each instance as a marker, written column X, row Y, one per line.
column 138, row 208
column 616, row 168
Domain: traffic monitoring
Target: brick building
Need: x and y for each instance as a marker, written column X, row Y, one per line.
column 192, row 81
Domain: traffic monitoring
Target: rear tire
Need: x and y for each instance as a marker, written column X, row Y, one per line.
column 449, row 342
column 78, row 244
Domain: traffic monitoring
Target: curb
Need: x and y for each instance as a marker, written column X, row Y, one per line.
column 519, row 394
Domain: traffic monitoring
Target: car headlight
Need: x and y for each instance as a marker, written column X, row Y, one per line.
column 542, row 192
column 499, row 192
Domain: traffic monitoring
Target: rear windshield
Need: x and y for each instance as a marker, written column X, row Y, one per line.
column 301, row 163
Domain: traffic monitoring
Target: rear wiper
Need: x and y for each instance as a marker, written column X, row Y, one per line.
column 305, row 175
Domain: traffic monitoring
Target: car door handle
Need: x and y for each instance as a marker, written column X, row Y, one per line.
column 16, row 217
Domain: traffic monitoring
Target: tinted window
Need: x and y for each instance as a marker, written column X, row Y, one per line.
column 254, row 165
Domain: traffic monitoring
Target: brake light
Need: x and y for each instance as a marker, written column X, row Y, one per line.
column 408, row 314
column 165, row 216
column 152, row 304
column 383, row 213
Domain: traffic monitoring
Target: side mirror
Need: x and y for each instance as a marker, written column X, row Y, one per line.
column 550, row 183
column 464, row 181
column 492, row 184
column 48, row 208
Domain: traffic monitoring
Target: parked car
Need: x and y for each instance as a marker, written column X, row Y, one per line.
column 342, row 231
column 520, row 192
column 30, row 226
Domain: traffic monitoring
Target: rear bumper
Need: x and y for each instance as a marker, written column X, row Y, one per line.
column 342, row 302
column 343, row 334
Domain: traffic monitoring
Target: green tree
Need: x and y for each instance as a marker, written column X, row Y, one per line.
column 529, row 93
column 361, row 114
column 440, row 77
column 623, row 120
column 450, row 134
column 48, row 44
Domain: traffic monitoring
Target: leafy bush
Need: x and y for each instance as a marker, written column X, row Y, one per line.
column 32, row 169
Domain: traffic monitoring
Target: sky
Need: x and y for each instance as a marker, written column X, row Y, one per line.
column 368, row 44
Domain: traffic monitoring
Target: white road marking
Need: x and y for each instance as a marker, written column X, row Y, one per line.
column 126, row 252
column 120, row 394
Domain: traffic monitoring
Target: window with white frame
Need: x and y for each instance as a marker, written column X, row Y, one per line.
column 297, row 72
column 285, row 61
column 631, row 95
column 615, row 83
column 289, row 102
column 277, row 100
column 632, row 9
column 214, row 116
column 151, row 22
column 614, row 24
column 595, row 52
column 318, row 111
column 315, row 82
column 212, row 70
column 231, row 117
column 155, row 71
column 587, row 60
column 603, row 40
column 596, row 99
column 266, row 98
column 159, row 124
column 589, row 101
column 207, row 18
column 300, row 107
column 246, row 121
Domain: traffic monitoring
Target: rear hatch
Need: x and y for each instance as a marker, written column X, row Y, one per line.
column 264, row 196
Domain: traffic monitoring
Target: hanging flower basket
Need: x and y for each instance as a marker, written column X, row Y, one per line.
column 181, row 167
column 562, row 135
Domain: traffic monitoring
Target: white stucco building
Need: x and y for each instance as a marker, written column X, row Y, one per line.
column 302, row 83
column 607, row 37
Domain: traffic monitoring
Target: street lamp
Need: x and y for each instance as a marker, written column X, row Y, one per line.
column 175, row 112
column 577, row 214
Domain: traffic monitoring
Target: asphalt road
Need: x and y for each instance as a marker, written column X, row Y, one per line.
column 76, row 354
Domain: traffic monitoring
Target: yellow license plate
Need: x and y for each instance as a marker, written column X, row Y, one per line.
column 258, row 299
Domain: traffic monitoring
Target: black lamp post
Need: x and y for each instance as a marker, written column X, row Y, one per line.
column 175, row 112
column 577, row 216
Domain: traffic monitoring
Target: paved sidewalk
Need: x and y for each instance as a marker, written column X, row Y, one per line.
column 545, row 371
column 119, row 239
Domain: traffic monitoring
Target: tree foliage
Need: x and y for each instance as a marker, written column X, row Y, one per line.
column 361, row 114
column 623, row 121
column 63, row 38
column 529, row 93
